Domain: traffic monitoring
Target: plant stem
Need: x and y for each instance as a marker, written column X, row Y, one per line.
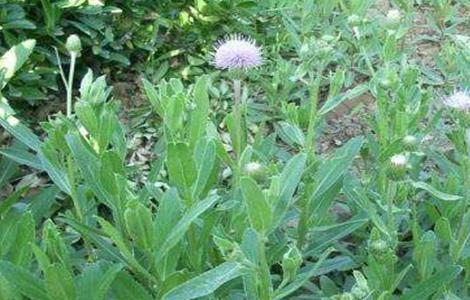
column 237, row 118
column 73, row 58
column 310, row 140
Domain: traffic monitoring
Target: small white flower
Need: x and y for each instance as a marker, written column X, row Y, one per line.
column 458, row 100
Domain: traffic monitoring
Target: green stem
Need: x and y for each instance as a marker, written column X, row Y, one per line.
column 266, row 290
column 73, row 58
column 237, row 117
column 310, row 140
column 357, row 35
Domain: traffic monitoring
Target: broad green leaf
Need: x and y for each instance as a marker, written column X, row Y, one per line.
column 16, row 128
column 27, row 284
column 206, row 168
column 436, row 193
column 324, row 236
column 433, row 284
column 182, row 226
column 181, row 165
column 200, row 113
column 95, row 280
column 22, row 157
column 334, row 102
column 290, row 134
column 9, row 168
column 7, row 290
column 59, row 283
column 139, row 224
column 206, row 283
column 125, row 287
column 332, row 169
column 258, row 208
column 14, row 58
column 7, row 203
column 26, row 231
column 290, row 178
column 57, row 175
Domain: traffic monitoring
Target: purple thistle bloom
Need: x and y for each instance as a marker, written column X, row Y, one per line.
column 459, row 100
column 237, row 52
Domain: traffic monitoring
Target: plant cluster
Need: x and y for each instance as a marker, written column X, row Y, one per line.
column 237, row 201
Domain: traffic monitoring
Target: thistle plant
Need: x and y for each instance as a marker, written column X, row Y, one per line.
column 237, row 54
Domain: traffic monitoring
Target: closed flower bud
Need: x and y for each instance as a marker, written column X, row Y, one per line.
column 354, row 20
column 385, row 83
column 378, row 246
column 398, row 161
column 73, row 44
column 398, row 165
column 254, row 170
column 359, row 292
column 410, row 142
column 291, row 262
column 393, row 19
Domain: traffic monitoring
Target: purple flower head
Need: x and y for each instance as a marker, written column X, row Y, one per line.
column 459, row 100
column 237, row 52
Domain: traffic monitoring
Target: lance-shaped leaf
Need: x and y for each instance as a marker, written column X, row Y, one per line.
column 14, row 58
column 206, row 283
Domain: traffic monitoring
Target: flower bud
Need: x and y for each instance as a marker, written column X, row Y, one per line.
column 385, row 83
column 354, row 20
column 393, row 19
column 378, row 246
column 410, row 142
column 398, row 165
column 304, row 51
column 398, row 161
column 254, row 170
column 291, row 262
column 73, row 44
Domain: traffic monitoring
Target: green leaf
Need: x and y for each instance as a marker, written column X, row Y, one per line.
column 433, row 284
column 139, row 224
column 57, row 174
column 206, row 168
column 7, row 203
column 26, row 231
column 7, row 290
column 259, row 210
column 96, row 279
column 200, row 113
column 24, row 280
column 290, row 178
column 324, row 236
column 206, row 283
column 436, row 193
column 125, row 287
column 22, row 156
column 14, row 58
column 334, row 102
column 9, row 168
column 181, row 165
column 290, row 134
column 16, row 128
column 59, row 283
column 182, row 226
column 332, row 170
